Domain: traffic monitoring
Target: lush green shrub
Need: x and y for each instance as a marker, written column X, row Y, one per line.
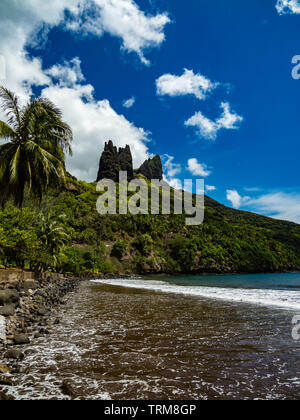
column 183, row 250
column 106, row 267
column 119, row 249
column 143, row 243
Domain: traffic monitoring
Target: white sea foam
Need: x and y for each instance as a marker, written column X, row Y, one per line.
column 278, row 298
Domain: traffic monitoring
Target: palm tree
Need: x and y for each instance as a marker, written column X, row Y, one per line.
column 35, row 154
column 53, row 236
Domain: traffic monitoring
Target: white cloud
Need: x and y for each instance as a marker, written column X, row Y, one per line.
column 93, row 122
column 228, row 120
column 128, row 103
column 288, row 6
column 171, row 169
column 206, row 128
column 209, row 129
column 174, row 182
column 236, row 199
column 123, row 19
column 210, row 188
column 186, row 84
column 279, row 205
column 67, row 74
column 198, row 169
column 251, row 189
column 19, row 22
column 283, row 206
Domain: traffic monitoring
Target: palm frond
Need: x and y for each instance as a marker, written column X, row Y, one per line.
column 35, row 156
column 10, row 105
column 6, row 132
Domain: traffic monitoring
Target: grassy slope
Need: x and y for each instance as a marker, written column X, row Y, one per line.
column 228, row 241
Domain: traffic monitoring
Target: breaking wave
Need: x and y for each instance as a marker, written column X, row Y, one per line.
column 285, row 299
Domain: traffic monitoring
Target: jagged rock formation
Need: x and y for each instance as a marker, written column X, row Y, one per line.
column 152, row 168
column 113, row 161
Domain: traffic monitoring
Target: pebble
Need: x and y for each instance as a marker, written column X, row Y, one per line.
column 4, row 368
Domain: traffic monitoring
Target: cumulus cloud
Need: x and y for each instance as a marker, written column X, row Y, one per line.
column 236, row 199
column 210, row 188
column 93, row 123
column 209, row 129
column 228, row 120
column 280, row 205
column 288, row 6
column 123, row 19
column 174, row 182
column 19, row 22
column 171, row 170
column 67, row 74
column 170, row 167
column 128, row 103
column 198, row 169
column 206, row 128
column 186, row 84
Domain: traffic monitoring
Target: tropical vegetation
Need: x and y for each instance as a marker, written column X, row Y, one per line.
column 49, row 221
column 67, row 234
column 33, row 156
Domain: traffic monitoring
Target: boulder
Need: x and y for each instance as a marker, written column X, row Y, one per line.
column 14, row 354
column 43, row 312
column 7, row 310
column 5, row 397
column 67, row 389
column 30, row 285
column 15, row 285
column 20, row 339
column 5, row 381
column 4, row 369
column 43, row 331
column 8, row 297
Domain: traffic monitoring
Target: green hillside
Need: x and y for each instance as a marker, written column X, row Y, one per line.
column 228, row 241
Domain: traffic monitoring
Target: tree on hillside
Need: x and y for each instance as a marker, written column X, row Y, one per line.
column 54, row 238
column 34, row 156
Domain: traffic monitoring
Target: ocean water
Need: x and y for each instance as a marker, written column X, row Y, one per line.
column 276, row 290
column 189, row 337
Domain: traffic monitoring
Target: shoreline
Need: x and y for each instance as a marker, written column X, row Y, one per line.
column 24, row 315
column 26, row 304
column 45, row 318
column 26, row 299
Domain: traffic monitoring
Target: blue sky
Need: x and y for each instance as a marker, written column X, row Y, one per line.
column 207, row 84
